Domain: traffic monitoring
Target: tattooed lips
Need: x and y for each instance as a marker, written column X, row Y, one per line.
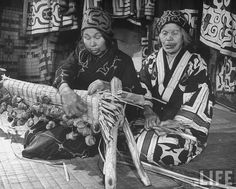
column 94, row 51
column 170, row 46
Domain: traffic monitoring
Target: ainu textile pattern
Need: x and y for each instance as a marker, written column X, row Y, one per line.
column 46, row 16
column 81, row 68
column 176, row 17
column 218, row 26
column 225, row 73
column 169, row 149
column 96, row 18
column 186, row 89
column 125, row 8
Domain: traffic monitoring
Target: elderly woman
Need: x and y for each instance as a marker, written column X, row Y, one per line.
column 179, row 78
column 92, row 67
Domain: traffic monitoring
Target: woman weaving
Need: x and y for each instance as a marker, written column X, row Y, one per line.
column 178, row 77
column 90, row 68
column 93, row 67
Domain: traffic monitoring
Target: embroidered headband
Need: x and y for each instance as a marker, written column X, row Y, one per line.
column 98, row 19
column 173, row 16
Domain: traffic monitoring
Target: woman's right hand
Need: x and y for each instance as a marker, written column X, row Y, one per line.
column 73, row 104
column 151, row 118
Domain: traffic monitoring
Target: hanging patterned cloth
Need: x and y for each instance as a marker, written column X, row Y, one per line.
column 133, row 9
column 218, row 26
column 123, row 8
column 42, row 16
column 91, row 4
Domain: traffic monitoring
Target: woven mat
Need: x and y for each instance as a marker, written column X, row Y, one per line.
column 17, row 172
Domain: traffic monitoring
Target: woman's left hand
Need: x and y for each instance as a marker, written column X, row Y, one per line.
column 98, row 85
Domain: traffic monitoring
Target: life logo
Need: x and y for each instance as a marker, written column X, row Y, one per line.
column 217, row 177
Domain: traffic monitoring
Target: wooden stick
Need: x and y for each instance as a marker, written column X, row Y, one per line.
column 66, row 172
column 135, row 155
column 110, row 163
column 136, row 98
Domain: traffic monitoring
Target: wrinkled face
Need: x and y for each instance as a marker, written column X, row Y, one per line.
column 171, row 38
column 94, row 41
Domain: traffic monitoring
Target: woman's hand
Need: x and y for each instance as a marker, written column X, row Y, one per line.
column 98, row 85
column 171, row 124
column 151, row 118
column 73, row 105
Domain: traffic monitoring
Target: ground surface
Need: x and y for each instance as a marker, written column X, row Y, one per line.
column 18, row 173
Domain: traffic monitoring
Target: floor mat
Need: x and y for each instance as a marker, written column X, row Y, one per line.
column 17, row 172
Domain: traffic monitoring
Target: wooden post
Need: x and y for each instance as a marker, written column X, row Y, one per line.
column 110, row 163
column 135, row 155
column 109, row 169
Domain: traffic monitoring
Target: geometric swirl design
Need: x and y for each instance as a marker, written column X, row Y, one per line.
column 218, row 26
column 45, row 16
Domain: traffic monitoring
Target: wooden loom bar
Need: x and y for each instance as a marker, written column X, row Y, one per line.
column 110, row 162
column 135, row 155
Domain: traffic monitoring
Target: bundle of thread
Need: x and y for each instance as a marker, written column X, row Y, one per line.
column 19, row 113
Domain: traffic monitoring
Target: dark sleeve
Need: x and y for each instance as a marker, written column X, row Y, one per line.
column 127, row 74
column 197, row 109
column 130, row 82
column 67, row 72
column 148, row 71
column 194, row 74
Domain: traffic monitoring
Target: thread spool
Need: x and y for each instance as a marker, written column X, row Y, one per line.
column 71, row 136
column 96, row 128
column 90, row 140
column 50, row 125
column 87, row 131
column 30, row 122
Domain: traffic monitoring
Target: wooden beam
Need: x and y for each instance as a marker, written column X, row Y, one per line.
column 135, row 155
column 111, row 146
column 135, row 98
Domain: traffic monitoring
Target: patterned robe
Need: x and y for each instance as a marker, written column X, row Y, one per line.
column 81, row 68
column 187, row 91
